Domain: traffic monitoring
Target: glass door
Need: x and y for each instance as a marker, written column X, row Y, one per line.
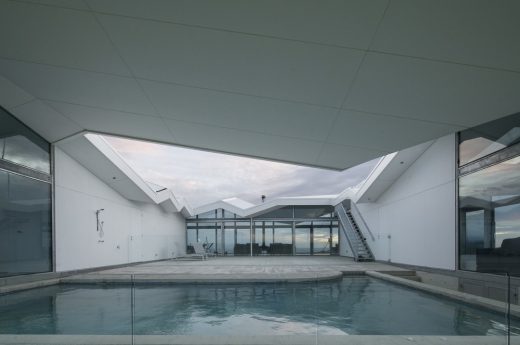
column 229, row 241
column 322, row 239
column 282, row 241
column 303, row 238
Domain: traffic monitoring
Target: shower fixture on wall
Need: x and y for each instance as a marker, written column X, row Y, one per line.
column 99, row 224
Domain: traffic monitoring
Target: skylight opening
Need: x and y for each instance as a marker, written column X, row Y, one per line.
column 202, row 177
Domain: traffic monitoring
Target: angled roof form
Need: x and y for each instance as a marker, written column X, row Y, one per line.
column 267, row 206
column 238, row 202
column 99, row 157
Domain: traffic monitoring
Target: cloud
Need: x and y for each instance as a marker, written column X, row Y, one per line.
column 202, row 177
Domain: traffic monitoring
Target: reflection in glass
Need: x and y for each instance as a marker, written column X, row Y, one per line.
column 191, row 236
column 335, row 239
column 207, row 236
column 243, row 244
column 489, row 202
column 208, row 215
column 322, row 240
column 25, row 225
column 269, row 236
column 21, row 145
column 282, row 239
column 229, row 241
column 313, row 211
column 227, row 214
column 488, row 138
column 302, row 238
column 284, row 212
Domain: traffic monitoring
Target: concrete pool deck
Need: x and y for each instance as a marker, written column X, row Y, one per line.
column 238, row 269
column 272, row 270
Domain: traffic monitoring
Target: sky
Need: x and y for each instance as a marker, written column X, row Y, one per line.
column 202, row 177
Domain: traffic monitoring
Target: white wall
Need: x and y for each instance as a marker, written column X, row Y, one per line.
column 133, row 231
column 414, row 220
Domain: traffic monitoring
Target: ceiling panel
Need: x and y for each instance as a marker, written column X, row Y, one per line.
column 245, row 143
column 241, row 112
column 476, row 32
column 433, row 91
column 56, row 36
column 337, row 22
column 38, row 115
column 341, row 157
column 11, row 95
column 384, row 132
column 74, row 86
column 119, row 123
column 234, row 62
column 74, row 4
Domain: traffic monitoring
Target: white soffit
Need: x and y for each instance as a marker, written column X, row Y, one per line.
column 386, row 172
column 321, row 83
column 98, row 157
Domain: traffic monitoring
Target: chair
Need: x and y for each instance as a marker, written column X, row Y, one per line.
column 194, row 251
column 199, row 250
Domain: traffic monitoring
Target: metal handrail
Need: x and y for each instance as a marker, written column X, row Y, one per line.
column 344, row 221
column 360, row 220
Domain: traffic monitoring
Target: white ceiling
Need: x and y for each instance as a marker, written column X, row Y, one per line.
column 325, row 83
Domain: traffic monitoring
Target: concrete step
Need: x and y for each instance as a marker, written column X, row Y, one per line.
column 414, row 278
column 410, row 275
column 401, row 273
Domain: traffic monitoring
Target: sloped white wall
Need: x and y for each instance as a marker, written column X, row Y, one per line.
column 133, row 231
column 414, row 220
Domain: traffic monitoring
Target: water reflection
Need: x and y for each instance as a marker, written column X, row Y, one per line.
column 351, row 306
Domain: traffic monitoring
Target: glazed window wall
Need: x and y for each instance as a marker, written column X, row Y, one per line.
column 489, row 197
column 278, row 232
column 25, row 200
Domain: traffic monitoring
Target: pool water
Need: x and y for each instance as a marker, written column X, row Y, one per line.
column 353, row 305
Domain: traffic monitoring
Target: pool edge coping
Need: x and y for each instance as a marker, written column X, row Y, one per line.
column 484, row 302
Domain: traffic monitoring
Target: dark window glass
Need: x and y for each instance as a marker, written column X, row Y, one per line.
column 229, row 241
column 243, row 243
column 228, row 214
column 313, row 211
column 282, row 239
column 284, row 212
column 208, row 215
column 191, row 237
column 302, row 238
column 322, row 240
column 489, row 229
column 207, row 236
column 335, row 239
column 488, row 138
column 25, row 225
column 20, row 145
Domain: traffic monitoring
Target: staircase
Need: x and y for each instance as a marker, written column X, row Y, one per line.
column 356, row 240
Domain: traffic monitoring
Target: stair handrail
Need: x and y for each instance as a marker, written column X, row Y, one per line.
column 360, row 220
column 367, row 247
column 344, row 221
